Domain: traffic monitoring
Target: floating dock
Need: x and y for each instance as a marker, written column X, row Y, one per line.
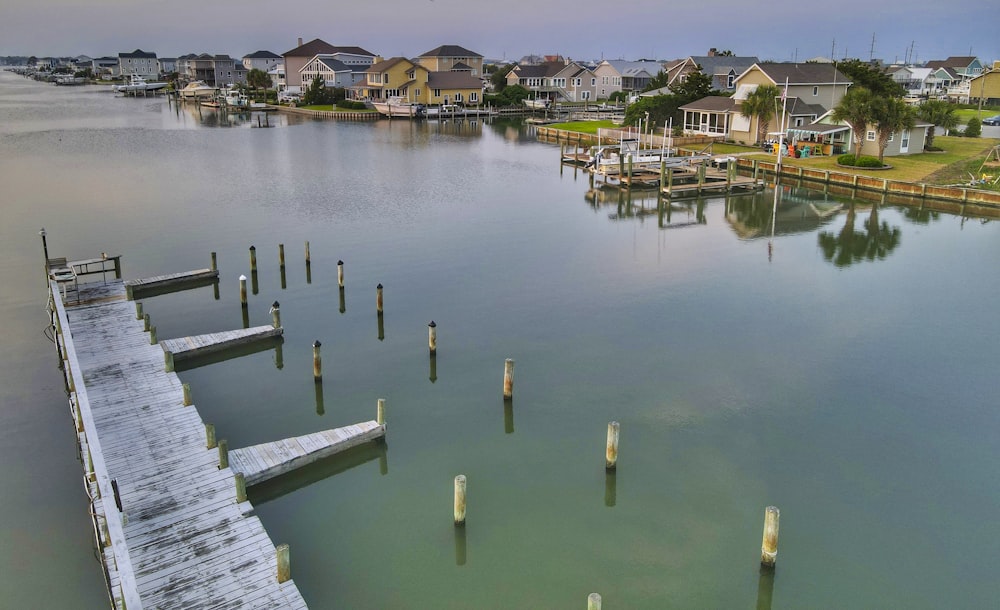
column 169, row 513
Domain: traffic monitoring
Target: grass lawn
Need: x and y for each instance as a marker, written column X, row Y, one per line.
column 588, row 127
column 964, row 114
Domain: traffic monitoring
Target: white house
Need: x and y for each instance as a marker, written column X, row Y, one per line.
column 262, row 60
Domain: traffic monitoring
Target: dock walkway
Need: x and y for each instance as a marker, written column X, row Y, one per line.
column 171, row 530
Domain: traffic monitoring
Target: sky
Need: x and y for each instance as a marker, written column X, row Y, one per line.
column 785, row 30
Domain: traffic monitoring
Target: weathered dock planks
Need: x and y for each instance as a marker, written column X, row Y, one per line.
column 200, row 345
column 180, row 539
column 268, row 460
column 161, row 284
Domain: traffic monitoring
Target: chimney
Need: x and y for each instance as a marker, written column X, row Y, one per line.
column 712, row 52
column 300, row 42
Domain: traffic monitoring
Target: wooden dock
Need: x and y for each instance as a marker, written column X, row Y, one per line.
column 161, row 284
column 171, row 531
column 268, row 460
column 199, row 345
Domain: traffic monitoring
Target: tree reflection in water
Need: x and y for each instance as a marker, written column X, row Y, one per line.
column 850, row 246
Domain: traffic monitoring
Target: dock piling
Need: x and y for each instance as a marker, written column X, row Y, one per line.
column 276, row 314
column 378, row 299
column 508, row 379
column 611, row 453
column 769, row 546
column 210, row 436
column 317, row 362
column 253, row 259
column 145, row 322
column 152, row 335
column 460, row 500
column 380, row 412
column 223, row 453
column 432, row 337
column 186, row 387
column 340, row 274
column 308, row 258
column 281, row 255
column 284, row 563
column 138, row 310
column 241, row 487
column 594, row 601
column 215, row 263
column 243, row 290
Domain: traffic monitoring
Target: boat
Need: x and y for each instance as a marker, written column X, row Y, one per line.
column 234, row 98
column 537, row 103
column 398, row 107
column 611, row 158
column 197, row 89
column 137, row 84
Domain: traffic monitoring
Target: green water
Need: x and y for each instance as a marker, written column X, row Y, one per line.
column 847, row 377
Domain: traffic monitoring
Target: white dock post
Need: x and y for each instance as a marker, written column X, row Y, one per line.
column 432, row 337
column 611, row 453
column 508, row 379
column 594, row 601
column 284, row 563
column 276, row 314
column 380, row 412
column 769, row 546
column 243, row 290
column 460, row 500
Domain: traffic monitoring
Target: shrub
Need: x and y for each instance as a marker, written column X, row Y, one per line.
column 973, row 129
column 862, row 161
column 351, row 105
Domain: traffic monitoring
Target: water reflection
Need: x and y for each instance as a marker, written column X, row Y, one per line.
column 307, row 475
column 849, row 246
column 434, row 368
column 765, row 589
column 610, row 488
column 798, row 211
column 320, row 410
column 508, row 417
column 461, row 547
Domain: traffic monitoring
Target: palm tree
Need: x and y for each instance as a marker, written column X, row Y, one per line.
column 890, row 115
column 937, row 113
column 760, row 104
column 258, row 79
column 855, row 110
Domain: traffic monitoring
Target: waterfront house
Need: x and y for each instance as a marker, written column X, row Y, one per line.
column 168, row 65
column 138, row 62
column 261, row 60
column 919, row 81
column 277, row 76
column 722, row 69
column 614, row 75
column 215, row 70
column 334, row 72
column 104, row 67
column 812, row 89
column 557, row 81
column 452, row 58
column 393, row 77
column 452, row 87
column 298, row 57
column 966, row 67
column 985, row 87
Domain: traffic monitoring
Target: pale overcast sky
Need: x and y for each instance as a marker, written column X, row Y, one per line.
column 581, row 29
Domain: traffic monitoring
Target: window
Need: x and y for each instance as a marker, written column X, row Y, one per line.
column 892, row 136
column 458, row 97
column 815, row 90
column 585, row 94
column 416, row 93
column 870, row 136
column 437, row 93
column 730, row 81
column 473, row 97
column 593, row 82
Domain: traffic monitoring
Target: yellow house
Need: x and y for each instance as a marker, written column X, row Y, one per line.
column 986, row 86
column 812, row 89
column 400, row 77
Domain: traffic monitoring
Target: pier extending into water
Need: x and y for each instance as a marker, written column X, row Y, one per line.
column 170, row 515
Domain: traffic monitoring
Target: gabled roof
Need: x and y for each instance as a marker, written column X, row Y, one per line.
column 262, row 55
column 450, row 50
column 549, row 68
column 459, row 66
column 797, row 107
column 951, row 62
column 317, row 47
column 453, row 80
column 138, row 54
column 722, row 64
column 335, row 65
column 712, row 103
column 382, row 66
column 801, row 74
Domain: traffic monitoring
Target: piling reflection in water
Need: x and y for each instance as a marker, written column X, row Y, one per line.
column 279, row 356
column 508, row 417
column 254, row 288
column 434, row 368
column 319, row 399
column 765, row 589
column 309, row 275
column 381, row 327
column 461, row 547
column 284, row 282
column 343, row 302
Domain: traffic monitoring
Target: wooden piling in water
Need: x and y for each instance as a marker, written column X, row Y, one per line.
column 210, row 436
column 769, row 546
column 145, row 322
column 284, row 563
column 508, row 379
column 138, row 310
column 594, row 601
column 380, row 412
column 317, row 362
column 223, row 453
column 378, row 299
column 308, row 258
column 243, row 290
column 432, row 337
column 281, row 255
column 460, row 500
column 186, row 387
column 276, row 314
column 152, row 335
column 215, row 263
column 611, row 452
column 253, row 258
column 168, row 361
column 340, row 273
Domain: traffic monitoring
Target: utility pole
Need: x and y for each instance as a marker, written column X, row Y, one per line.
column 871, row 53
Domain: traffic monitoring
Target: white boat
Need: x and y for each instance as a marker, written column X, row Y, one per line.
column 609, row 159
column 137, row 84
column 537, row 103
column 197, row 89
column 397, row 106
column 234, row 98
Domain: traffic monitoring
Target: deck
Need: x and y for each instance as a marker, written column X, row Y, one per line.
column 179, row 538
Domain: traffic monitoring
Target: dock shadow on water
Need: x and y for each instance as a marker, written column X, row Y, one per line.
column 307, row 475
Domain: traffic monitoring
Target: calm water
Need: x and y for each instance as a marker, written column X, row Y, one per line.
column 847, row 377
